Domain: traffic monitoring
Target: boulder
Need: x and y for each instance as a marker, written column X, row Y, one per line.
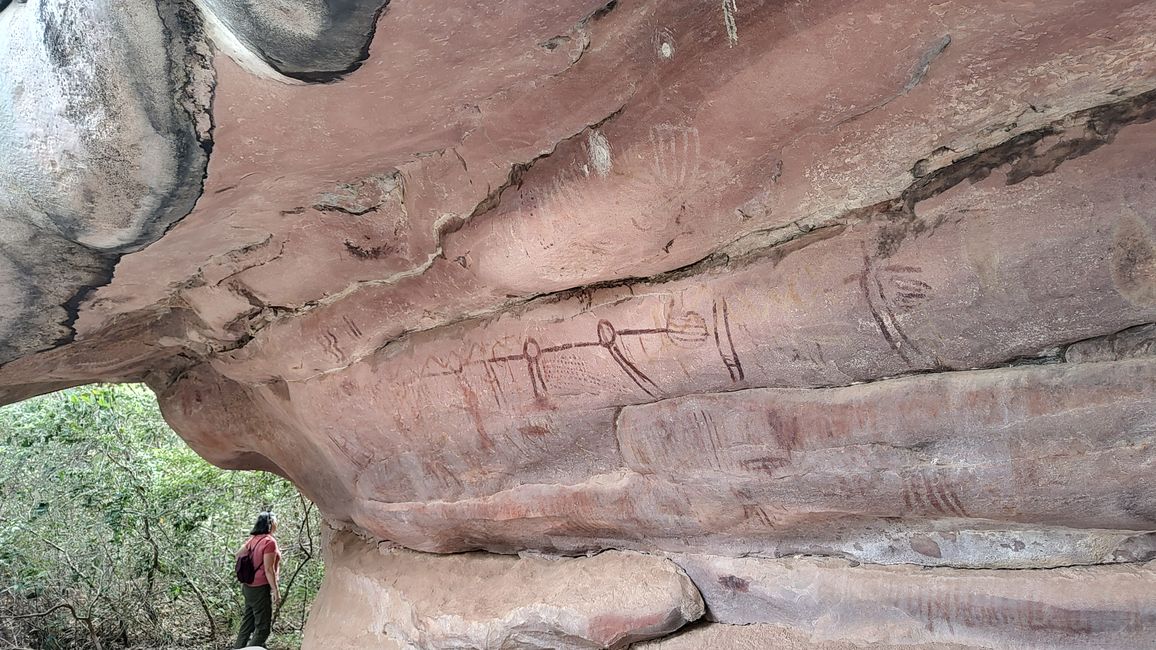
column 379, row 597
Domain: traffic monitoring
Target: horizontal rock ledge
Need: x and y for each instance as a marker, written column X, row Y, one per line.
column 830, row 600
column 704, row 636
column 393, row 598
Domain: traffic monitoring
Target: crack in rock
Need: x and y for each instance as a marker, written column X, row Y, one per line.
column 1036, row 152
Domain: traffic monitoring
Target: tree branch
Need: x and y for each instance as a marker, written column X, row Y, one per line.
column 71, row 610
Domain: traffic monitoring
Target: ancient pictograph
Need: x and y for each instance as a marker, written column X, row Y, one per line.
column 683, row 329
column 890, row 291
column 331, row 345
column 934, row 491
column 755, row 510
column 676, row 152
column 724, row 342
column 730, row 11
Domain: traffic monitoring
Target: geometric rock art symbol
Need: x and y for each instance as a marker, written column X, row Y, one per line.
column 676, row 151
column 683, row 329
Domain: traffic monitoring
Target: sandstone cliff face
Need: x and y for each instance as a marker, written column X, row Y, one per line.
column 648, row 282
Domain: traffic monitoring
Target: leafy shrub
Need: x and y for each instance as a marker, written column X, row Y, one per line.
column 114, row 533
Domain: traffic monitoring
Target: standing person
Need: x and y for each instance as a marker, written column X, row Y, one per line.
column 262, row 594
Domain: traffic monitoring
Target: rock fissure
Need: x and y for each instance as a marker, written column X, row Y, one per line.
column 444, row 226
column 1018, row 153
column 494, row 197
column 918, row 73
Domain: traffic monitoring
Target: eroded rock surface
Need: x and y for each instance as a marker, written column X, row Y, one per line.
column 393, row 598
column 105, row 139
column 770, row 637
column 309, row 40
column 832, row 600
column 872, row 280
column 559, row 425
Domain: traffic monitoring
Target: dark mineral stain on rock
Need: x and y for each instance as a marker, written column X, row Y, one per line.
column 924, row 545
column 1134, row 261
column 77, row 194
column 734, row 583
column 309, row 40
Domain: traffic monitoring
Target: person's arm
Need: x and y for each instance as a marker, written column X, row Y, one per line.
column 272, row 566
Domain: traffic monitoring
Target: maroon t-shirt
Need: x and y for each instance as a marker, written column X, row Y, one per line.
column 262, row 545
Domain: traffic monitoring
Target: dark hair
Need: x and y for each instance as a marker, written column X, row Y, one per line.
column 264, row 524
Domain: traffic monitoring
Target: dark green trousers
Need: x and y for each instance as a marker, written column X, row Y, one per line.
column 257, row 618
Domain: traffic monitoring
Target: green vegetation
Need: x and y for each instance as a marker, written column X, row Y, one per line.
column 114, row 534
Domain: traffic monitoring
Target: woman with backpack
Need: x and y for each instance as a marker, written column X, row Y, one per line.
column 257, row 566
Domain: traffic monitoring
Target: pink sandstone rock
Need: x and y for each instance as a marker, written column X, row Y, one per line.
column 392, row 598
column 533, row 407
column 769, row 637
column 873, row 280
column 832, row 600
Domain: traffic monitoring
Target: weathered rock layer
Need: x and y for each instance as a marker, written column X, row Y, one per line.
column 830, row 600
column 398, row 599
column 871, row 281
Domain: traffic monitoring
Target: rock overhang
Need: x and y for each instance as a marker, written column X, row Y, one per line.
column 673, row 277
